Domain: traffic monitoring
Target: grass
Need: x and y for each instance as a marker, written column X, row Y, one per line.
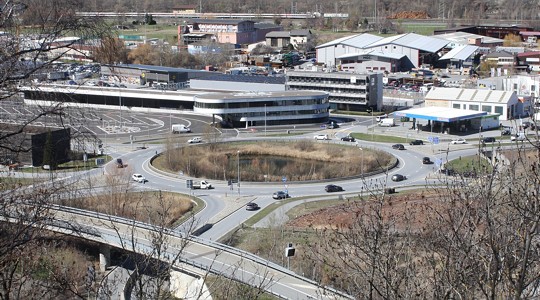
column 8, row 183
column 469, row 163
column 378, row 138
column 74, row 165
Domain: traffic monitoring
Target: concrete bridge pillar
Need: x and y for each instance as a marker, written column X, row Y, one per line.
column 104, row 257
column 188, row 287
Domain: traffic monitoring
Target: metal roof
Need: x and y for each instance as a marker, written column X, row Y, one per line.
column 460, row 53
column 374, row 53
column 414, row 41
column 246, row 78
column 278, row 34
column 474, row 95
column 463, row 38
column 441, row 114
column 357, row 41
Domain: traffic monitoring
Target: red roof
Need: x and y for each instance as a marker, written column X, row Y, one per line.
column 530, row 53
column 527, row 33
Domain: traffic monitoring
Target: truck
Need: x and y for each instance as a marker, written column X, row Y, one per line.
column 202, row 185
column 180, row 128
column 387, row 122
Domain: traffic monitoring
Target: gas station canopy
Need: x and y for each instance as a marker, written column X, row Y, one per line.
column 441, row 114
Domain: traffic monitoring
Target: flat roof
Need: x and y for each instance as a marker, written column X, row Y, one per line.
column 441, row 114
column 260, row 95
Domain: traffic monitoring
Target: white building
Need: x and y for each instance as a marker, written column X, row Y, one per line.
column 417, row 48
column 503, row 103
column 523, row 85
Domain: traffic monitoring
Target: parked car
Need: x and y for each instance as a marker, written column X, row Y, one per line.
column 194, row 140
column 458, row 141
column 518, row 137
column 398, row 147
column 398, row 177
column 280, row 195
column 506, row 131
column 333, row 188
column 348, row 139
column 489, row 139
column 138, row 177
column 252, row 206
column 416, row 142
column 426, row 160
column 321, row 137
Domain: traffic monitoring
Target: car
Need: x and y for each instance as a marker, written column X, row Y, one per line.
column 458, row 141
column 333, row 125
column 398, row 147
column 252, row 206
column 416, row 142
column 348, row 139
column 398, row 177
column 321, row 137
column 426, row 160
column 194, row 140
column 138, row 177
column 506, row 131
column 333, row 188
column 518, row 137
column 489, row 139
column 280, row 195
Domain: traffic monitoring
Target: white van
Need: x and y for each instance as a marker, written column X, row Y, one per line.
column 180, row 128
column 381, row 117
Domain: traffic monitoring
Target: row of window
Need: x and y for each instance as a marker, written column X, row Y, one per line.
column 246, row 104
column 336, row 81
column 279, row 113
column 487, row 108
column 331, row 89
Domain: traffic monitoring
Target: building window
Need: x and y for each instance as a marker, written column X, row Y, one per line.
column 486, row 108
column 515, row 86
column 499, row 110
column 456, row 106
column 533, row 88
column 473, row 107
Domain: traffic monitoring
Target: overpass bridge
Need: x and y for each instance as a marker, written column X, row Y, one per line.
column 186, row 254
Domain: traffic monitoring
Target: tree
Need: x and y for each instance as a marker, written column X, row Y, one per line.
column 512, row 40
column 143, row 54
column 111, row 51
column 27, row 271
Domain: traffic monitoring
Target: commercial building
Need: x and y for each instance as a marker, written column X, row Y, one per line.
column 248, row 109
column 505, row 104
column 348, row 91
column 240, row 109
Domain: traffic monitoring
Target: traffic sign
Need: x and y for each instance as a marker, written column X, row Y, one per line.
column 284, row 178
column 435, row 140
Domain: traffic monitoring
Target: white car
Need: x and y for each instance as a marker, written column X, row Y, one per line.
column 458, row 141
column 139, row 178
column 321, row 137
column 194, row 140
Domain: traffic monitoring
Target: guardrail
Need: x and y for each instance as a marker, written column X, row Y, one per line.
column 218, row 246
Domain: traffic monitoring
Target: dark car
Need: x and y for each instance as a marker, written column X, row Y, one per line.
column 252, row 206
column 488, row 140
column 280, row 195
column 506, row 131
column 348, row 139
column 398, row 147
column 416, row 142
column 333, row 188
column 426, row 161
column 398, row 177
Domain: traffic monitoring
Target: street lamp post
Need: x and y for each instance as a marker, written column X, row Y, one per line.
column 362, row 166
column 238, row 153
column 265, row 120
column 370, row 110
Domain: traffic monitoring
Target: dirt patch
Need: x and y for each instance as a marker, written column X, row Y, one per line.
column 406, row 209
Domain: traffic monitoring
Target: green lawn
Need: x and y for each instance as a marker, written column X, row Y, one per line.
column 75, row 165
column 378, row 138
column 469, row 163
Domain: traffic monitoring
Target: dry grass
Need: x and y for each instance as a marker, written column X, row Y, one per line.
column 160, row 208
column 307, row 160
